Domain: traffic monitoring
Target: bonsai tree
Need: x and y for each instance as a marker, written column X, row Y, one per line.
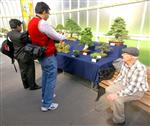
column 76, row 52
column 62, row 47
column 104, row 47
column 97, row 54
column 86, row 37
column 118, row 29
column 72, row 27
column 59, row 28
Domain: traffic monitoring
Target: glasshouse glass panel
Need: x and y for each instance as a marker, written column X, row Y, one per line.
column 52, row 20
column 103, row 21
column 74, row 4
column 5, row 23
column 66, row 16
column 7, row 11
column 59, row 19
column 58, row 5
column 146, row 29
column 130, row 13
column 66, row 4
column 92, row 19
column 83, row 3
column 134, row 17
column 83, row 19
column 74, row 16
column 93, row 2
column 11, row 8
column 8, row 8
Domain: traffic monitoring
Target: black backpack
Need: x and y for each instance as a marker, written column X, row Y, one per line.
column 8, row 49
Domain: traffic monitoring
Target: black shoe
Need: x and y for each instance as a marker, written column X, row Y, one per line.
column 26, row 87
column 110, row 121
column 35, row 87
column 120, row 124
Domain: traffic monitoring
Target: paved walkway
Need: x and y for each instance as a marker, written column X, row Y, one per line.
column 19, row 107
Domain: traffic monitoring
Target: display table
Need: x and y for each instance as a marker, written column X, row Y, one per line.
column 82, row 65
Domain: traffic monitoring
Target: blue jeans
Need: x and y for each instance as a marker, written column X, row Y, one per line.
column 49, row 74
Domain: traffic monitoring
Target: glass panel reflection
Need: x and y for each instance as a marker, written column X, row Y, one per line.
column 92, row 19
column 83, row 3
column 74, row 16
column 66, row 4
column 83, row 19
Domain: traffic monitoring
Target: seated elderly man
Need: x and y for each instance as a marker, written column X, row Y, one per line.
column 130, row 84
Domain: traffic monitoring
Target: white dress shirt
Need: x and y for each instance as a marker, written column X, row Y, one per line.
column 46, row 28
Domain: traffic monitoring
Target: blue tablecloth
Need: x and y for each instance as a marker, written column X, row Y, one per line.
column 82, row 65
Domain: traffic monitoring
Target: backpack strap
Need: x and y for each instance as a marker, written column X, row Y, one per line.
column 15, row 67
column 12, row 59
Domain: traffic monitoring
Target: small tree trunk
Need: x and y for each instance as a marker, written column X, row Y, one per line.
column 71, row 35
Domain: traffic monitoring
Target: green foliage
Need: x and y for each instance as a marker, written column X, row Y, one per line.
column 3, row 30
column 96, row 54
column 62, row 47
column 86, row 37
column 76, row 52
column 102, row 54
column 104, row 47
column 72, row 27
column 59, row 28
column 118, row 29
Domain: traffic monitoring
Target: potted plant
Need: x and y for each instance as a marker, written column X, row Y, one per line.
column 97, row 55
column 86, row 38
column 102, row 54
column 62, row 47
column 76, row 53
column 104, row 47
column 94, row 56
column 118, row 29
column 72, row 27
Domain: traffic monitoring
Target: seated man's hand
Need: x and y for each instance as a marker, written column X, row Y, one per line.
column 112, row 97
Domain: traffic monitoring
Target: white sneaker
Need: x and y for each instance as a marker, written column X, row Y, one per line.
column 54, row 95
column 53, row 106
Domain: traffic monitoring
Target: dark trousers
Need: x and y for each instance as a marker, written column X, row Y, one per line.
column 27, row 70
